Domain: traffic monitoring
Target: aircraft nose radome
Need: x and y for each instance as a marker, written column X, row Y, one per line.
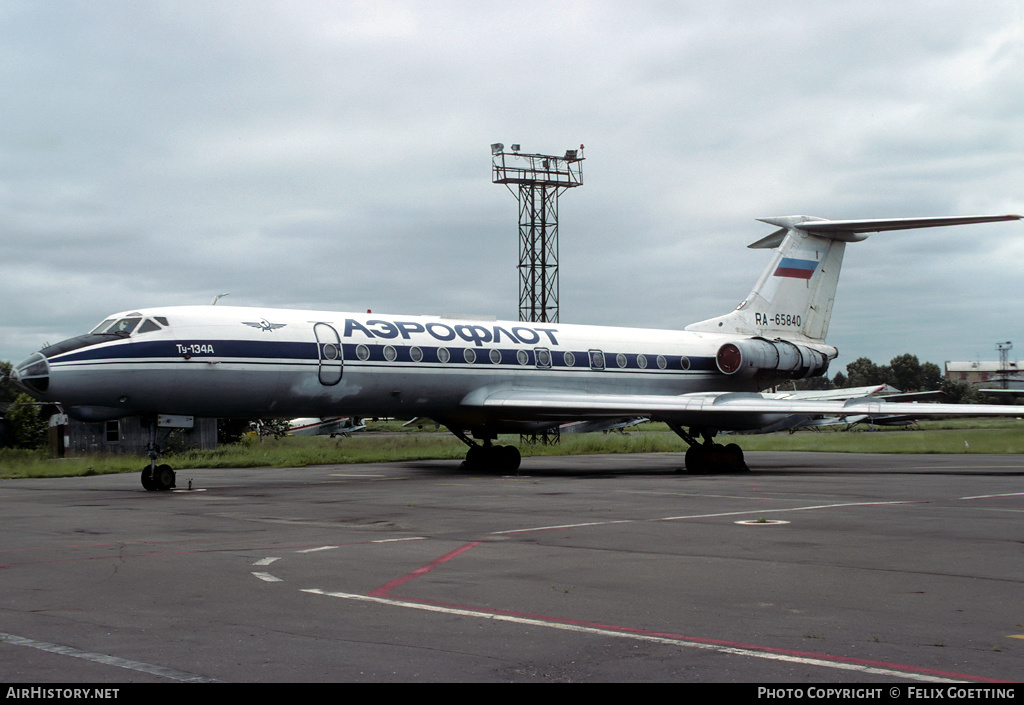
column 32, row 375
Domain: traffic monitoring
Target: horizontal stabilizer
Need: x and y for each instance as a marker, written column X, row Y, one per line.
column 851, row 230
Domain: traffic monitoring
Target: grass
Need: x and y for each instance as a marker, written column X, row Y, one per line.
column 947, row 436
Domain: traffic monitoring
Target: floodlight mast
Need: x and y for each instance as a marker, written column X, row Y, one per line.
column 541, row 179
column 1004, row 362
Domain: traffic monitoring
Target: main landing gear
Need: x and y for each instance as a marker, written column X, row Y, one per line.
column 489, row 457
column 708, row 457
column 155, row 477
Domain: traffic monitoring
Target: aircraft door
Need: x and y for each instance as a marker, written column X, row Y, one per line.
column 328, row 347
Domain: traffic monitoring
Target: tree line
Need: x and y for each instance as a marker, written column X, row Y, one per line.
column 905, row 373
column 23, row 426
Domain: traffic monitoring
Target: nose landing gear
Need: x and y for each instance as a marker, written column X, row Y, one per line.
column 158, row 477
column 155, row 477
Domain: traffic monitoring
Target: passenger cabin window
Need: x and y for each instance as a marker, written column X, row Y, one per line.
column 543, row 357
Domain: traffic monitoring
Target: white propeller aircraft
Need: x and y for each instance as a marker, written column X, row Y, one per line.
column 480, row 378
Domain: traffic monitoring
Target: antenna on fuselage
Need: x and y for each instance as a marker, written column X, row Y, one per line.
column 218, row 297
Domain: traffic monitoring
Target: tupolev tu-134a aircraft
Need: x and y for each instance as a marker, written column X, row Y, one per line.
column 479, row 377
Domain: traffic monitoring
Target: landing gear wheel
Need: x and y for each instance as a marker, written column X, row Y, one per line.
column 508, row 458
column 695, row 459
column 164, row 477
column 493, row 458
column 161, row 477
column 476, row 456
column 715, row 458
column 734, row 458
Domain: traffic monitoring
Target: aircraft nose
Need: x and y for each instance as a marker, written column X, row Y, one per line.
column 32, row 375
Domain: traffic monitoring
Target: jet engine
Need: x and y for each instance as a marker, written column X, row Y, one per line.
column 754, row 355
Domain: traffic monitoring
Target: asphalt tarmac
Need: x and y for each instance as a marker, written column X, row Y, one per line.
column 811, row 568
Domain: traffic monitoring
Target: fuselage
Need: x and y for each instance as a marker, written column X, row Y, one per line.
column 222, row 361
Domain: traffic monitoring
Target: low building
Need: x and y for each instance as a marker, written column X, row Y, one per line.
column 990, row 373
column 127, row 435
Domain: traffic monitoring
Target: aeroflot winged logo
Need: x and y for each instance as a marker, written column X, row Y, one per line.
column 265, row 325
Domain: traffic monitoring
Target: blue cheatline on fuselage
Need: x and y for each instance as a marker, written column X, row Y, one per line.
column 306, row 352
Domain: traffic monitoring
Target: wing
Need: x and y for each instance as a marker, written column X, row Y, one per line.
column 721, row 411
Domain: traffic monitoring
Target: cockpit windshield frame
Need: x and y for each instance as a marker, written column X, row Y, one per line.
column 132, row 323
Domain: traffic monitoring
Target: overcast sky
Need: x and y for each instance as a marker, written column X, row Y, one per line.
column 335, row 155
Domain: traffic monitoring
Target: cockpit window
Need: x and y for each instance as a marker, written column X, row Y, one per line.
column 124, row 325
column 128, row 324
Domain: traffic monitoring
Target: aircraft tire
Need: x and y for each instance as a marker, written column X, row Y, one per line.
column 147, row 479
column 164, row 477
column 493, row 458
column 696, row 460
column 716, row 458
column 734, row 458
column 476, row 456
column 509, row 458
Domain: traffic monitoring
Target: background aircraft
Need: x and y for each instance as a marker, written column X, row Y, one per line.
column 328, row 426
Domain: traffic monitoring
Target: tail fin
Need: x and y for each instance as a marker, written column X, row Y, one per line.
column 793, row 298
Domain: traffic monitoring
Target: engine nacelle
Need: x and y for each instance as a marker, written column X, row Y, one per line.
column 748, row 357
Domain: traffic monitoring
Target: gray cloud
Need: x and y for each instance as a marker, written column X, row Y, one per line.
column 335, row 155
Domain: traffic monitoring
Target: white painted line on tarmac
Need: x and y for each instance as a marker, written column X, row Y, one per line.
column 161, row 671
column 778, row 655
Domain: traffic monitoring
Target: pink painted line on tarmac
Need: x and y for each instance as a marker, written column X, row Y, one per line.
column 386, row 588
column 684, row 640
column 389, row 586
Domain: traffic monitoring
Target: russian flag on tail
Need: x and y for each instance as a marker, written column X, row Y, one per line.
column 796, row 268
